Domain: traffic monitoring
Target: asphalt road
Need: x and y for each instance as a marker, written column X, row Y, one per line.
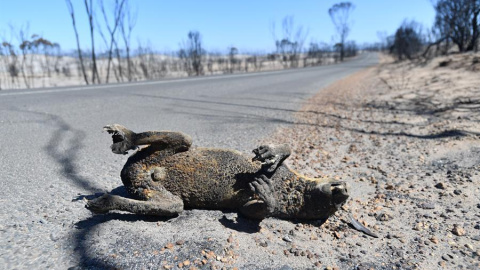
column 53, row 153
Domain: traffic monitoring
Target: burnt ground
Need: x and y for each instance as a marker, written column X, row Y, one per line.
column 406, row 137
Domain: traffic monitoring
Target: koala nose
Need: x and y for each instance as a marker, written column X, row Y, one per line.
column 339, row 191
column 339, row 186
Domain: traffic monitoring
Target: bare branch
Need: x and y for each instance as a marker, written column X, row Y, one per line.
column 89, row 9
column 340, row 13
column 72, row 15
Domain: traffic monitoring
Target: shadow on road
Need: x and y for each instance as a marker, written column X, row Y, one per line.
column 241, row 224
column 337, row 121
column 63, row 147
column 87, row 226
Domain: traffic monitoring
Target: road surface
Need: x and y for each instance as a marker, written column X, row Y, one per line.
column 53, row 154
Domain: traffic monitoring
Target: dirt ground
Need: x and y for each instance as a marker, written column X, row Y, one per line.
column 405, row 136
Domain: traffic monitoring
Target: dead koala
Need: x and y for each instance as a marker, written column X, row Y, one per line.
column 167, row 176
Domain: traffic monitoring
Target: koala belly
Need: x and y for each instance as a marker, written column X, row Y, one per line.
column 203, row 178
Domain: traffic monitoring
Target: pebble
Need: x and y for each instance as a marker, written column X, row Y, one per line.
column 459, row 231
column 287, row 238
column 384, row 217
column 427, row 216
column 441, row 186
column 427, row 206
column 419, row 226
column 389, row 186
column 180, row 242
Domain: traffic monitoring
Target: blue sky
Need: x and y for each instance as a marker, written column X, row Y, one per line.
column 244, row 24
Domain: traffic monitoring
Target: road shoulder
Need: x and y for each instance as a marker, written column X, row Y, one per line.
column 405, row 136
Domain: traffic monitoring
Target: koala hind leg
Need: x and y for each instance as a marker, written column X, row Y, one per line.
column 161, row 204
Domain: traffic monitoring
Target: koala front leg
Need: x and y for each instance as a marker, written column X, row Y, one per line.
column 271, row 155
column 125, row 139
column 265, row 207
